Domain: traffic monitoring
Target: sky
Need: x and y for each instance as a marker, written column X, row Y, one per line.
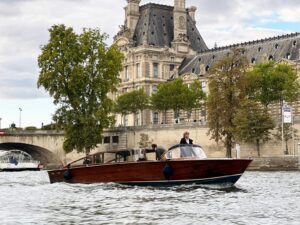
column 24, row 28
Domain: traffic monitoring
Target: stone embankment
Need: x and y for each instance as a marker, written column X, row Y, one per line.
column 286, row 163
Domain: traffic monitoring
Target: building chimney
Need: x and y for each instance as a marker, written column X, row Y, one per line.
column 192, row 12
column 179, row 4
column 132, row 11
column 180, row 18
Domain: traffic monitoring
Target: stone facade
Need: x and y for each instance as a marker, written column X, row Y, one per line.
column 162, row 42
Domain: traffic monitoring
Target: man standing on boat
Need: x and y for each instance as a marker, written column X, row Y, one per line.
column 186, row 139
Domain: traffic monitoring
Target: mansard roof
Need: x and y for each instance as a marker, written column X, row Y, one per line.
column 276, row 48
column 156, row 27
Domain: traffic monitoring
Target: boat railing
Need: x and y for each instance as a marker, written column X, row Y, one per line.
column 27, row 161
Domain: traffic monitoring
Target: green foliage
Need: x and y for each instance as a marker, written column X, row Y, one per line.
column 227, row 89
column 49, row 127
column 31, row 128
column 252, row 124
column 78, row 71
column 196, row 97
column 288, row 132
column 270, row 83
column 132, row 102
column 175, row 95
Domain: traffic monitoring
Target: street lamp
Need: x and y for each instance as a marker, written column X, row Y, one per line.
column 20, row 117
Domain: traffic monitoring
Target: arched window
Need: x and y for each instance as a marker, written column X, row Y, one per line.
column 294, row 43
column 276, row 46
column 259, row 49
column 288, row 55
column 253, row 61
column 271, row 57
column 207, row 68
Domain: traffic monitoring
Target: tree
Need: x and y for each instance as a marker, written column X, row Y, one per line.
column 78, row 71
column 253, row 124
column 196, row 97
column 271, row 83
column 171, row 95
column 226, row 83
column 288, row 132
column 132, row 102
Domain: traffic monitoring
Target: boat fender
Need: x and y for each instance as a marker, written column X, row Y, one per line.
column 168, row 171
column 68, row 174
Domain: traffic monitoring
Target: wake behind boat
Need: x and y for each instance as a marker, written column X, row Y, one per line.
column 16, row 160
column 181, row 164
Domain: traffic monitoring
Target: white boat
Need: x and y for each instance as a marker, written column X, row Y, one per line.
column 16, row 160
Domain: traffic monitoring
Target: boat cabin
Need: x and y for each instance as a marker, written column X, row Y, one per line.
column 15, row 157
column 177, row 152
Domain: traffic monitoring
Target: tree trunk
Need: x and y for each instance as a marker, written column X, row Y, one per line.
column 286, row 147
column 228, row 144
column 142, row 118
column 258, row 147
column 165, row 116
column 228, row 151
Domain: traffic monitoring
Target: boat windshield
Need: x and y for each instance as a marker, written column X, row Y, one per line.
column 14, row 156
column 185, row 151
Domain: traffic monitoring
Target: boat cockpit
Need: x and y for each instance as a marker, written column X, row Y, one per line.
column 177, row 152
column 180, row 152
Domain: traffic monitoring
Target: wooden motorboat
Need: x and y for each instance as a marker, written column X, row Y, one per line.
column 181, row 164
column 17, row 160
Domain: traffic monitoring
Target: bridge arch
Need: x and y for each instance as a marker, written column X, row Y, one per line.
column 41, row 154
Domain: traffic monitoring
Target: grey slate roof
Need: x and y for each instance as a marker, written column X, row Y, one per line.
column 276, row 48
column 156, row 27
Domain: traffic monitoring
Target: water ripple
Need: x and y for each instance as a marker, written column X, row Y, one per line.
column 258, row 198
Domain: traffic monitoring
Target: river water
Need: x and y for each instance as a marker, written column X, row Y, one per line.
column 258, row 198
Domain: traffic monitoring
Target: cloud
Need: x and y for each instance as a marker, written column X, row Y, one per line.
column 25, row 23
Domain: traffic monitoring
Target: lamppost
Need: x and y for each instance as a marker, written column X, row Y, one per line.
column 20, row 117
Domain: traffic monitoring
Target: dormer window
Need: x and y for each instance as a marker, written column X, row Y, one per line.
column 253, row 61
column 207, row 68
column 259, row 49
column 193, row 70
column 213, row 56
column 288, row 55
column 199, row 59
column 271, row 57
column 276, row 46
column 294, row 43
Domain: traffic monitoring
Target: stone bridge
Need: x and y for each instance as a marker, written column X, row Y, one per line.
column 45, row 146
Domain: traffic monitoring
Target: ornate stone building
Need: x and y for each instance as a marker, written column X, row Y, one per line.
column 162, row 42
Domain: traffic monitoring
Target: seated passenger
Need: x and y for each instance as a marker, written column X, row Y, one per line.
column 158, row 151
column 87, row 160
column 186, row 139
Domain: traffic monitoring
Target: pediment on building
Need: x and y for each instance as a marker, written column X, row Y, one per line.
column 286, row 61
column 189, row 77
column 121, row 41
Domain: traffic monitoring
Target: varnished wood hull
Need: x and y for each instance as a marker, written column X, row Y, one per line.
column 160, row 173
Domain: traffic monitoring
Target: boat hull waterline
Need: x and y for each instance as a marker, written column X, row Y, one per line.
column 156, row 173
